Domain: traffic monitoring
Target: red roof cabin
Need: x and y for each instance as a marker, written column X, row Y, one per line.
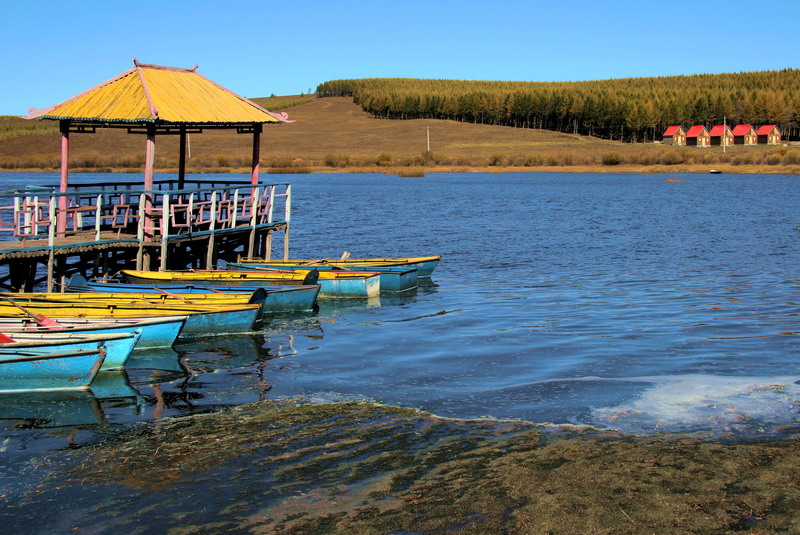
column 769, row 135
column 721, row 134
column 674, row 135
column 698, row 136
column 744, row 134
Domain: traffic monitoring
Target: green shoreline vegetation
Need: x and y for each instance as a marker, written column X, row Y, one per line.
column 289, row 467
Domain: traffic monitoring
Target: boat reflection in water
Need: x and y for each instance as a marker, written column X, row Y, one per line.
column 55, row 408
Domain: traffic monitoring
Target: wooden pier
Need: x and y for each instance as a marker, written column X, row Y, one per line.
column 97, row 229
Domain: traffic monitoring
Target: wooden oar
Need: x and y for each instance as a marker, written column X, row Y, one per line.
column 176, row 296
column 40, row 319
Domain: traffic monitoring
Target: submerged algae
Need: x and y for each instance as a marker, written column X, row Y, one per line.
column 289, row 467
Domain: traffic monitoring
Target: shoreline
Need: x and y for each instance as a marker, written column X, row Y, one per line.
column 362, row 467
column 412, row 171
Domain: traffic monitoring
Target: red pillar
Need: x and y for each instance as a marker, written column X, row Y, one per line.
column 61, row 219
column 149, row 163
column 182, row 158
column 256, row 153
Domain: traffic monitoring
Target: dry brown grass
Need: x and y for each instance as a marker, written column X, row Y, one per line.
column 334, row 134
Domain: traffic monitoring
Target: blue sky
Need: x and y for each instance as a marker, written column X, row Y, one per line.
column 52, row 50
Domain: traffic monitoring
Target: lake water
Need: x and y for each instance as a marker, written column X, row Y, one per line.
column 613, row 300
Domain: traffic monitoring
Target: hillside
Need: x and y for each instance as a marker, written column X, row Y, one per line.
column 625, row 109
column 333, row 133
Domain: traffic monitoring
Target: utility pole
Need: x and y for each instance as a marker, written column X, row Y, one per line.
column 429, row 139
column 724, row 134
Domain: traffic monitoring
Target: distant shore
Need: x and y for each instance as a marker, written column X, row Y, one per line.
column 421, row 171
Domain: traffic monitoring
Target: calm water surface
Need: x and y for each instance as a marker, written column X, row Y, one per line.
column 613, row 300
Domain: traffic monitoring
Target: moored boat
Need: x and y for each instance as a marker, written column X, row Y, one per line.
column 200, row 319
column 258, row 296
column 26, row 371
column 332, row 284
column 393, row 279
column 117, row 346
column 287, row 298
column 156, row 332
column 211, row 277
column 423, row 264
column 54, row 364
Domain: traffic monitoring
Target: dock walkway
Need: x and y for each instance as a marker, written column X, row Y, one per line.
column 98, row 229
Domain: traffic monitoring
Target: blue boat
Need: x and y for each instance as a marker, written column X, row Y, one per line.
column 29, row 366
column 332, row 283
column 156, row 332
column 423, row 264
column 118, row 346
column 393, row 279
column 294, row 298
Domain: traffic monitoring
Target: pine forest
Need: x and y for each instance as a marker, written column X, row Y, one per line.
column 632, row 109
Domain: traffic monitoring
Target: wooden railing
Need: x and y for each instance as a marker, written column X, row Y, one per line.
column 144, row 215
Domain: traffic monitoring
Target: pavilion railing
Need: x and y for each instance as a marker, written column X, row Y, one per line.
column 120, row 211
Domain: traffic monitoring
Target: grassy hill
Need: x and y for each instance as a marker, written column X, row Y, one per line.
column 334, row 134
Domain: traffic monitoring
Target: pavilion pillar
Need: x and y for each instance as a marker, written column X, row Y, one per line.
column 182, row 158
column 256, row 153
column 61, row 219
column 149, row 163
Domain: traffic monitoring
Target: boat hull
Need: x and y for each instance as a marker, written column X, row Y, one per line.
column 199, row 320
column 423, row 264
column 332, row 284
column 64, row 370
column 156, row 332
column 117, row 346
column 393, row 279
column 286, row 298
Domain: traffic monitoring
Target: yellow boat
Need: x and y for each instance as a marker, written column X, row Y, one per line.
column 200, row 319
column 332, row 283
column 423, row 264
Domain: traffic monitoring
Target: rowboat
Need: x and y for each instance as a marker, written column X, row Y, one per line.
column 258, row 297
column 331, row 283
column 156, row 332
column 393, row 279
column 118, row 346
column 200, row 319
column 50, row 364
column 210, row 277
column 423, row 264
column 290, row 298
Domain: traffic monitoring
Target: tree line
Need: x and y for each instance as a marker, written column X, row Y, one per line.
column 631, row 109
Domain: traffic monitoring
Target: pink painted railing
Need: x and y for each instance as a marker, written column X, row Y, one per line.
column 151, row 215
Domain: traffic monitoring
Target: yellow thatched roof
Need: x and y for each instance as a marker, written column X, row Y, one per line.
column 153, row 93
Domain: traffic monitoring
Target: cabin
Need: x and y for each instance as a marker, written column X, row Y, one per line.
column 698, row 136
column 769, row 135
column 721, row 135
column 674, row 135
column 744, row 134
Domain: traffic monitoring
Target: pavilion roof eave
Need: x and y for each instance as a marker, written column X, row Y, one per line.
column 130, row 123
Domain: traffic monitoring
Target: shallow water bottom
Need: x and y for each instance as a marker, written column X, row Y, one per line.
column 295, row 467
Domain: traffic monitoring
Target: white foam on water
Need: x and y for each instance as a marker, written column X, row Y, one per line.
column 715, row 404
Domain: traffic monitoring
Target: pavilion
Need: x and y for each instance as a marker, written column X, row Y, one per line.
column 157, row 100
